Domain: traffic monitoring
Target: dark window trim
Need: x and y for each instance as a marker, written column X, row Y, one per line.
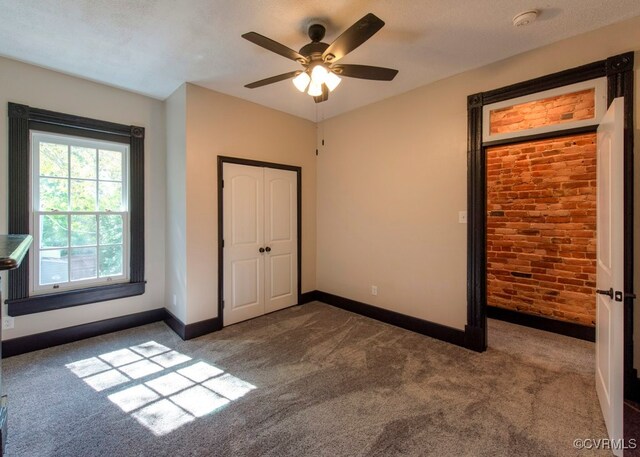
column 23, row 119
column 254, row 163
column 619, row 73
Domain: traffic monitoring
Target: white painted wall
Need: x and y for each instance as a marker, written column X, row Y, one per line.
column 41, row 88
column 392, row 178
column 176, row 246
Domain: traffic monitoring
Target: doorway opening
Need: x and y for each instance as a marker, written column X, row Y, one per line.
column 541, row 233
column 618, row 72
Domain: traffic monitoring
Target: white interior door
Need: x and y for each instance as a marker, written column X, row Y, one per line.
column 610, row 269
column 281, row 239
column 260, row 236
column 243, row 234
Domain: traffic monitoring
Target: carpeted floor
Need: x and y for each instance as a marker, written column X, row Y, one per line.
column 310, row 380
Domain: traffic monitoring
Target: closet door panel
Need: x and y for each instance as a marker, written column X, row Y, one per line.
column 243, row 200
column 280, row 203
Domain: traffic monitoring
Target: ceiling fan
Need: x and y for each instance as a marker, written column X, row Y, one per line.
column 321, row 73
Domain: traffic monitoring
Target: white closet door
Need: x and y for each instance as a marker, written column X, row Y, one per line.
column 281, row 239
column 243, row 234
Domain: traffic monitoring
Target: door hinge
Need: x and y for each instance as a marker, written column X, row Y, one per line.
column 222, row 304
column 223, row 183
column 222, row 243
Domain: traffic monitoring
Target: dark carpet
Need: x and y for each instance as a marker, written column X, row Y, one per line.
column 310, row 380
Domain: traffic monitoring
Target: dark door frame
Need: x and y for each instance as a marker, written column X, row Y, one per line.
column 620, row 79
column 254, row 163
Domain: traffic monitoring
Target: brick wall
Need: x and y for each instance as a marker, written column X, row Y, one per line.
column 574, row 106
column 541, row 221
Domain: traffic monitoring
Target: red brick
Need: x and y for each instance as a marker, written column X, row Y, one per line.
column 546, row 194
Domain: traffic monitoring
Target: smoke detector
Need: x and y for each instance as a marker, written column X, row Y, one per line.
column 526, row 18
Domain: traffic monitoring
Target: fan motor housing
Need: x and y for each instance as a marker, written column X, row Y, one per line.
column 313, row 49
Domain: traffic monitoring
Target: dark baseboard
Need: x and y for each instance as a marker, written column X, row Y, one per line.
column 438, row 331
column 581, row 332
column 190, row 331
column 29, row 343
column 308, row 297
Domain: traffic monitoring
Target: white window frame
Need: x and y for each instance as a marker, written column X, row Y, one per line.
column 35, row 137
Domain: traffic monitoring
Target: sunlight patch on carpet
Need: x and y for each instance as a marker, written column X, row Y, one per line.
column 160, row 388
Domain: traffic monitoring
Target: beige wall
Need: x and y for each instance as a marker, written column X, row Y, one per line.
column 218, row 124
column 40, row 88
column 392, row 178
column 176, row 176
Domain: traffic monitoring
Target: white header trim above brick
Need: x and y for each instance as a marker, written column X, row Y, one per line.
column 599, row 84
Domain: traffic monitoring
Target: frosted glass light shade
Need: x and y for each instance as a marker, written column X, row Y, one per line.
column 315, row 89
column 332, row 80
column 318, row 74
column 301, row 81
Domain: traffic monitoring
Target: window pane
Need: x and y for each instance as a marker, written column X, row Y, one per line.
column 111, row 260
column 110, row 165
column 54, row 194
column 110, row 196
column 111, row 229
column 53, row 231
column 54, row 160
column 83, row 163
column 83, row 230
column 83, row 263
column 83, row 195
column 53, row 266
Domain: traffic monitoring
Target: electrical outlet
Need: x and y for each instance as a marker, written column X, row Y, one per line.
column 7, row 322
column 174, row 299
column 462, row 217
column 374, row 290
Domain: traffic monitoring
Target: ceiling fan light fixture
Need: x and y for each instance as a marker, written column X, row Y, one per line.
column 315, row 89
column 332, row 80
column 302, row 81
column 319, row 74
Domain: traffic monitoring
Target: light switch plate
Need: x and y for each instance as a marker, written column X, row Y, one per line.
column 462, row 217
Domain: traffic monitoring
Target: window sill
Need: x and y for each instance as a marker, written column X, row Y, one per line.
column 48, row 302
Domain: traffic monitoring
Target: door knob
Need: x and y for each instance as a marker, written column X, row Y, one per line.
column 268, row 249
column 605, row 292
column 261, row 250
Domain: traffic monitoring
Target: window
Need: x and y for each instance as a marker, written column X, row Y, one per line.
column 80, row 212
column 77, row 185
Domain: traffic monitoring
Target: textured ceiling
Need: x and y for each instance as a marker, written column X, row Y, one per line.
column 153, row 46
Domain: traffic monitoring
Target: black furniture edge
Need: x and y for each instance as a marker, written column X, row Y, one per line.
column 13, row 250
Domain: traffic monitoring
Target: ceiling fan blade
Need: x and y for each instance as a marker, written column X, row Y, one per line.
column 324, row 97
column 365, row 72
column 353, row 37
column 274, row 46
column 273, row 79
